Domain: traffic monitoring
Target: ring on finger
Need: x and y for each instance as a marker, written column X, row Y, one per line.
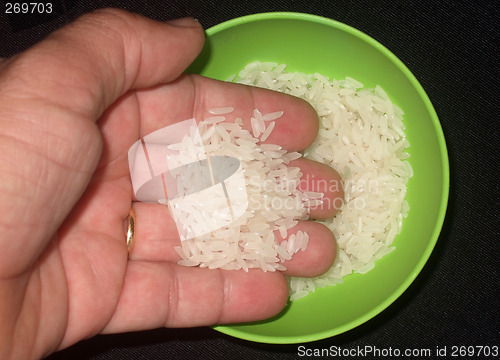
column 130, row 230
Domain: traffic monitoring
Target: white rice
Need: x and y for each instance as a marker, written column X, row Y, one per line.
column 274, row 202
column 221, row 110
column 361, row 136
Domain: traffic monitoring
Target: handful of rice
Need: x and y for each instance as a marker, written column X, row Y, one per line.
column 274, row 202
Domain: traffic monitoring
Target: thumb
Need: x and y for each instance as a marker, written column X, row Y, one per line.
column 50, row 98
column 105, row 53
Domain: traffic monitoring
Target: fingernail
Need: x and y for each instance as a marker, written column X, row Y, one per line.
column 183, row 22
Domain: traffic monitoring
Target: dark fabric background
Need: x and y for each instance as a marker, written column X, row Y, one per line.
column 452, row 47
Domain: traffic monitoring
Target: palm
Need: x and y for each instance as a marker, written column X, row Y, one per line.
column 91, row 248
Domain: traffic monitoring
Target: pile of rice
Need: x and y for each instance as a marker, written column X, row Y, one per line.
column 361, row 136
column 273, row 201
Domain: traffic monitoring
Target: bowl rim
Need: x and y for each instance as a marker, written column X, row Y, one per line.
column 232, row 329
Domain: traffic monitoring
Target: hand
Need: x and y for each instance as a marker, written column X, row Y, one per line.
column 70, row 108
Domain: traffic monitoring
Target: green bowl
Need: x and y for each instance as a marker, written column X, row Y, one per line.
column 310, row 44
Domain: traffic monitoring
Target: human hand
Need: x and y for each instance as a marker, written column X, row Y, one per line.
column 70, row 108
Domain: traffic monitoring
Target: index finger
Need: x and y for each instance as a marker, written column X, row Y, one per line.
column 193, row 96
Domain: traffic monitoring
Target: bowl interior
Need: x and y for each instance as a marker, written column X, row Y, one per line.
column 310, row 44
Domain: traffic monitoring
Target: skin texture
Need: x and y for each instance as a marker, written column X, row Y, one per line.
column 70, row 108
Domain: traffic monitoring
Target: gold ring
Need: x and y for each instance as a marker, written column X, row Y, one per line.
column 130, row 230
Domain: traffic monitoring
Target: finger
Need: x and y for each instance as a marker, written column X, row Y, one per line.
column 321, row 179
column 325, row 183
column 164, row 294
column 319, row 254
column 155, row 234
column 156, row 238
column 193, row 96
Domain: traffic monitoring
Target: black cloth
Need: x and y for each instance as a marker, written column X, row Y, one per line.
column 452, row 48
